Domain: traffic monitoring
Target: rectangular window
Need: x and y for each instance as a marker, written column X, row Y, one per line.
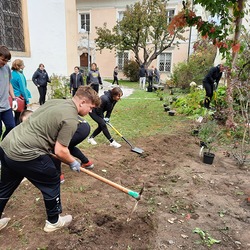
column 122, row 58
column 85, row 21
column 170, row 15
column 11, row 25
column 120, row 15
column 165, row 62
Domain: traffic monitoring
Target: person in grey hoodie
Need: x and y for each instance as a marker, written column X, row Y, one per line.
column 40, row 78
column 94, row 78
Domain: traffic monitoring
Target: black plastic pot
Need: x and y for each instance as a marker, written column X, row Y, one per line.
column 166, row 109
column 208, row 157
column 171, row 112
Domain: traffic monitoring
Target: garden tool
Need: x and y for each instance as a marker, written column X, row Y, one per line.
column 131, row 193
column 134, row 149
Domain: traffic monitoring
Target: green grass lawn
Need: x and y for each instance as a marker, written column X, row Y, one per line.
column 139, row 115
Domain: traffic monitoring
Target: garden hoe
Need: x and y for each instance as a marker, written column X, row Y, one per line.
column 134, row 149
column 133, row 194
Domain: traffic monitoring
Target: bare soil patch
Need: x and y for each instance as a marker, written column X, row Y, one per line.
column 181, row 193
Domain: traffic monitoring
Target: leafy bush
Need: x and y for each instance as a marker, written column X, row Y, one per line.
column 196, row 68
column 59, row 87
column 131, row 70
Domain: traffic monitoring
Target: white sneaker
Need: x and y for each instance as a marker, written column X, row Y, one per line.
column 4, row 222
column 92, row 141
column 115, row 144
column 63, row 221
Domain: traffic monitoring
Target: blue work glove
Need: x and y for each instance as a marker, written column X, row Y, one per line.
column 106, row 119
column 75, row 166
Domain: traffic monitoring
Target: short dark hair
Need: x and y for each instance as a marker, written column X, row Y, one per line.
column 77, row 67
column 4, row 51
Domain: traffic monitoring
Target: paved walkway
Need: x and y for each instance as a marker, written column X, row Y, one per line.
column 106, row 86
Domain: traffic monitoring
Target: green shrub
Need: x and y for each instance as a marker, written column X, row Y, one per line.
column 197, row 66
column 59, row 87
column 131, row 70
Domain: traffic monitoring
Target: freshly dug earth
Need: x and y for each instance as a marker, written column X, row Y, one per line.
column 181, row 194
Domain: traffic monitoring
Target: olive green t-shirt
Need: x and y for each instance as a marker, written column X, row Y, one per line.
column 56, row 120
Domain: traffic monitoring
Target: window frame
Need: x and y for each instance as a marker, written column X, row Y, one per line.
column 123, row 61
column 87, row 27
column 165, row 62
column 169, row 16
column 25, row 31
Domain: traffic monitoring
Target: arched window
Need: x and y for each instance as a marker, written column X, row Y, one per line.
column 11, row 25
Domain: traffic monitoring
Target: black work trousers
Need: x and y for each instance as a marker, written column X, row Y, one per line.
column 41, row 172
column 209, row 88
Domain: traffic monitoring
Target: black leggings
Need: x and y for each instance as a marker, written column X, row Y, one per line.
column 81, row 134
column 42, row 92
column 102, row 127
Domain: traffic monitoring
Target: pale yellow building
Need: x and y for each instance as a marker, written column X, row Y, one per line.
column 61, row 33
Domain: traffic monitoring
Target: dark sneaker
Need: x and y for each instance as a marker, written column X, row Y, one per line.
column 63, row 221
column 88, row 165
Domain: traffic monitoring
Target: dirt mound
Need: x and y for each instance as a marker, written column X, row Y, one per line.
column 181, row 194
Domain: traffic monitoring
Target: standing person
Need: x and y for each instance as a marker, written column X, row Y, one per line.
column 115, row 75
column 210, row 83
column 40, row 78
column 6, row 89
column 150, row 78
column 76, row 80
column 94, row 78
column 19, row 84
column 108, row 101
column 157, row 75
column 142, row 77
column 30, row 154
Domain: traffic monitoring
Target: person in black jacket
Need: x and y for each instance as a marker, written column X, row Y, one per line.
column 210, row 83
column 108, row 101
column 142, row 76
column 76, row 80
column 115, row 75
column 94, row 78
column 40, row 78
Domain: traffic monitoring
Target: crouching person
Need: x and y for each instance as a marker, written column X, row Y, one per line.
column 49, row 129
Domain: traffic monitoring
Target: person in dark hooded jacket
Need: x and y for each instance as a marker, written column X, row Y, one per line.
column 211, row 82
column 102, row 115
column 40, row 78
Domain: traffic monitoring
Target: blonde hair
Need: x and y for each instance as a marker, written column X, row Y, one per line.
column 17, row 64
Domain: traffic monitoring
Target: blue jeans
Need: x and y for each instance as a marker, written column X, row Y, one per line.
column 8, row 119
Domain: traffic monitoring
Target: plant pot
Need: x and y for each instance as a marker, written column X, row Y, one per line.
column 167, row 109
column 208, row 157
column 195, row 132
column 171, row 112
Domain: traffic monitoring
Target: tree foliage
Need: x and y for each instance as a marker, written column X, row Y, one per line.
column 142, row 30
column 225, row 33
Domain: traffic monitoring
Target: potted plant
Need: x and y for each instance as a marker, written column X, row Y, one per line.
column 160, row 94
column 208, row 134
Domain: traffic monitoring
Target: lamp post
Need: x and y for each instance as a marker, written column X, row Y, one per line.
column 88, row 53
column 84, row 26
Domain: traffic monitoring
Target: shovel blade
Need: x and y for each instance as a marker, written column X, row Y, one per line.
column 137, row 150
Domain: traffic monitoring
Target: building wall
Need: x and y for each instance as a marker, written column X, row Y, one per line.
column 107, row 12
column 46, row 33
